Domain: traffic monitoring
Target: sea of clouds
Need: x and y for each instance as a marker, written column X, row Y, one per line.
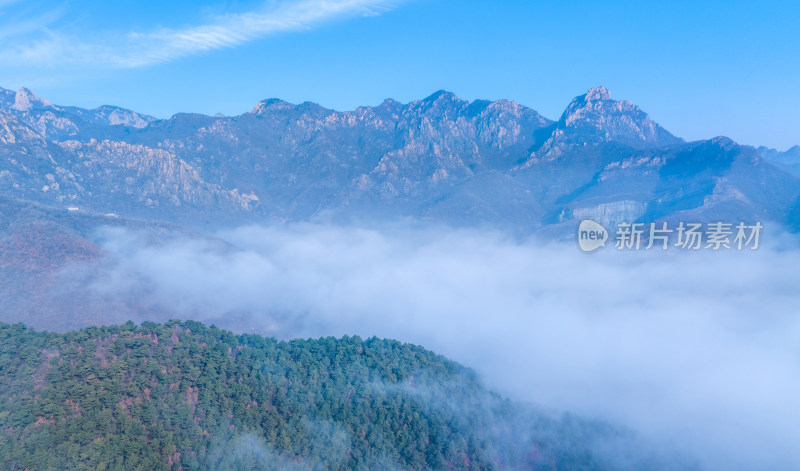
column 699, row 350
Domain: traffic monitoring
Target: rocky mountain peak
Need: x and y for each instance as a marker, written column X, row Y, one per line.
column 594, row 119
column 595, row 104
column 597, row 94
column 271, row 104
column 596, row 114
column 724, row 142
column 441, row 96
column 439, row 101
column 25, row 100
column 390, row 102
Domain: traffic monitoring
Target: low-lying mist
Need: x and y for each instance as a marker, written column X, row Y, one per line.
column 699, row 350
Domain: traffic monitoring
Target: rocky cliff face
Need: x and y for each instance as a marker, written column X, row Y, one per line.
column 593, row 120
column 102, row 176
column 439, row 158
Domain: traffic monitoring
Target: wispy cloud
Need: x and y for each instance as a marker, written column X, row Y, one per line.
column 30, row 20
column 138, row 49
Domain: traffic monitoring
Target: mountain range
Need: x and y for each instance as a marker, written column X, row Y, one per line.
column 439, row 159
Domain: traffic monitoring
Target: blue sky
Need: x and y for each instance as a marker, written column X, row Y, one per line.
column 701, row 69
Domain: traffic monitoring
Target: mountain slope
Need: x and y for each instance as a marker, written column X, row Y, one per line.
column 184, row 396
column 48, row 257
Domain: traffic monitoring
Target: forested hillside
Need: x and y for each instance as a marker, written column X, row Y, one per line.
column 185, row 396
